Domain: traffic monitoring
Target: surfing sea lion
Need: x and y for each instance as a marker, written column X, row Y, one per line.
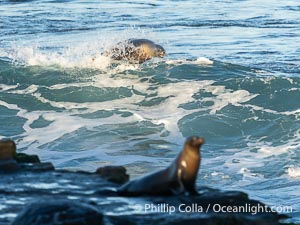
column 178, row 178
column 135, row 51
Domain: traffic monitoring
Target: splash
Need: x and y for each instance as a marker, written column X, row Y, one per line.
column 203, row 61
column 81, row 56
column 294, row 172
column 74, row 55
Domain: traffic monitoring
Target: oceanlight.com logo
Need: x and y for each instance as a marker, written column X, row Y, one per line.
column 213, row 208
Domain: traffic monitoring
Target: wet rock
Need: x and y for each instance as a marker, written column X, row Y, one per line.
column 39, row 182
column 211, row 207
column 25, row 158
column 24, row 186
column 8, row 166
column 7, row 149
column 11, row 161
column 191, row 220
column 37, row 167
column 115, row 174
column 59, row 212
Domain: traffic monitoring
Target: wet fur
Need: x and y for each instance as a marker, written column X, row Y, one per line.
column 135, row 51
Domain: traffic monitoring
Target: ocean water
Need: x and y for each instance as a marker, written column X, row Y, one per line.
column 231, row 75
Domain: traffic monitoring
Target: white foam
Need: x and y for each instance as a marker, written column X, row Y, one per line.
column 225, row 97
column 67, row 121
column 167, row 112
column 43, row 185
column 176, row 61
column 294, row 172
column 79, row 55
column 296, row 112
column 267, row 149
column 14, row 202
column 4, row 87
column 200, row 61
column 204, row 61
column 29, row 90
column 82, row 56
column 8, row 215
column 257, row 154
column 215, row 173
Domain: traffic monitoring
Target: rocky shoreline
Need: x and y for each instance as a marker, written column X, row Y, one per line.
column 35, row 193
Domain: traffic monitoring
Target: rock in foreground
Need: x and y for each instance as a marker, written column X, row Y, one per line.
column 11, row 161
column 50, row 197
column 115, row 174
column 58, row 212
column 17, row 190
column 7, row 149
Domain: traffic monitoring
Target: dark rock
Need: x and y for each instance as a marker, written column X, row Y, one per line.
column 37, row 167
column 178, row 219
column 25, row 186
column 115, row 174
column 8, row 166
column 25, row 158
column 203, row 209
column 7, row 149
column 59, row 212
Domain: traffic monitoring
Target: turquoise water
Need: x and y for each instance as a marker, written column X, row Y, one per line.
column 231, row 75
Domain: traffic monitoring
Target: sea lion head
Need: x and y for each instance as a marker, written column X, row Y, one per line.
column 159, row 51
column 194, row 143
column 153, row 50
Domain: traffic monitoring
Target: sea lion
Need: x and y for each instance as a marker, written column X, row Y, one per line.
column 135, row 51
column 178, row 178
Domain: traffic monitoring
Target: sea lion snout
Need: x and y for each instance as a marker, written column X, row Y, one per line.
column 160, row 51
column 195, row 141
